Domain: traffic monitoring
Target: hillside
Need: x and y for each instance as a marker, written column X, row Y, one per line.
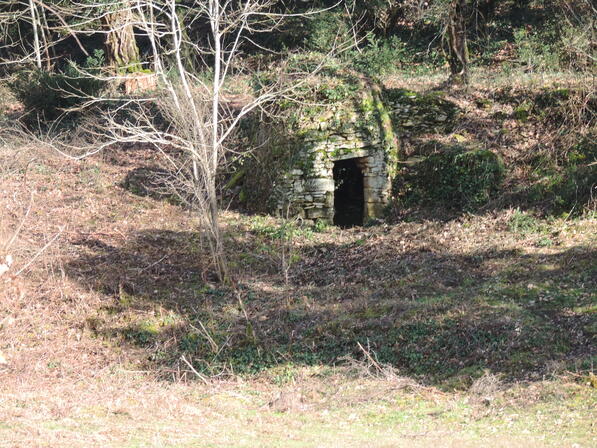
column 282, row 223
column 476, row 328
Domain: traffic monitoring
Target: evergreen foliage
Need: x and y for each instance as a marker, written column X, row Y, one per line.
column 454, row 177
column 47, row 95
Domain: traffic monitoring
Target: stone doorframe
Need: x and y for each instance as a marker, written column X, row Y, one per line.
column 376, row 181
column 312, row 192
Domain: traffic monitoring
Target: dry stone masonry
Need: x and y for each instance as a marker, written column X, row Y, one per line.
column 363, row 128
column 311, row 187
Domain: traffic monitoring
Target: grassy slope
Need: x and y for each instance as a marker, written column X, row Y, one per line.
column 488, row 323
column 337, row 410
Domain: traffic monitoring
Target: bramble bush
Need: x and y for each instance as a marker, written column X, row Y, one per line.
column 381, row 56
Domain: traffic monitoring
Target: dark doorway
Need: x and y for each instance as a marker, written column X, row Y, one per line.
column 349, row 196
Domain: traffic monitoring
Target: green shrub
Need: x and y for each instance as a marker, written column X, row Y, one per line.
column 457, row 178
column 46, row 95
column 577, row 42
column 571, row 191
column 312, row 61
column 537, row 51
column 326, row 30
column 523, row 223
column 335, row 91
column 570, row 188
column 381, row 57
column 556, row 45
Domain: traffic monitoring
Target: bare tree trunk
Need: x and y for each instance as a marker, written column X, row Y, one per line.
column 219, row 257
column 122, row 52
column 457, row 43
column 35, row 25
column 47, row 46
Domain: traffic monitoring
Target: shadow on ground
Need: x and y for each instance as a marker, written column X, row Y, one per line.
column 441, row 316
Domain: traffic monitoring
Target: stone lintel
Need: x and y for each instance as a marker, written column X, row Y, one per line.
column 351, row 155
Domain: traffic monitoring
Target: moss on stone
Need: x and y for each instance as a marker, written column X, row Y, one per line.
column 416, row 113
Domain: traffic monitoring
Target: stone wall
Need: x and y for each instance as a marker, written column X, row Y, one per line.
column 311, row 189
column 414, row 113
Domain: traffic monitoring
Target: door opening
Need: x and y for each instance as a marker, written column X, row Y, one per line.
column 349, row 195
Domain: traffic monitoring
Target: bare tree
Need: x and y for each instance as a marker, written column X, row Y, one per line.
column 31, row 29
column 14, row 47
column 197, row 118
column 200, row 117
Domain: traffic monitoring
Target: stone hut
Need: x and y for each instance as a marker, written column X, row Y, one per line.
column 344, row 160
column 338, row 158
column 347, row 180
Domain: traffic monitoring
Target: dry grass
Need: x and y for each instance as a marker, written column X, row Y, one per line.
column 117, row 410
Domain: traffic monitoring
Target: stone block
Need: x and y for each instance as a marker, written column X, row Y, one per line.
column 322, row 184
column 374, row 209
column 375, row 182
column 318, row 213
